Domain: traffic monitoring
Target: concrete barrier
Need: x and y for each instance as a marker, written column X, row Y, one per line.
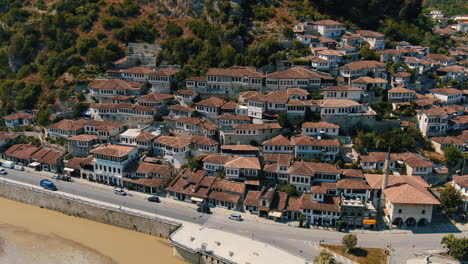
column 87, row 209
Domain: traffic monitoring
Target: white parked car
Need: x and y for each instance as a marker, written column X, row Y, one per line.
column 236, row 217
column 119, row 191
column 3, row 172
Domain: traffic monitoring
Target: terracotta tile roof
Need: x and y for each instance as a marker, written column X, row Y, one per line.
column 48, row 156
column 84, row 137
column 185, row 92
column 226, row 197
column 154, row 97
column 128, row 106
column 169, row 71
column 262, row 126
column 21, row 151
column 418, row 162
column 182, row 108
column 212, row 102
column 202, row 140
column 19, row 115
column 310, row 168
column 355, row 184
column 114, row 84
column 297, row 91
column 197, row 79
column 435, row 111
column 276, row 97
column 365, row 64
column 330, row 204
column 113, row 150
column 311, row 141
column 238, row 71
column 439, row 57
column 298, row 73
column 216, row 159
column 279, row 202
column 69, row 125
column 4, row 136
column 460, row 119
column 461, row 180
column 103, row 125
column 448, row 140
column 454, row 68
column 402, row 74
column 121, row 97
column 75, row 163
column 137, row 70
column 353, row 173
column 320, row 124
column 279, row 140
column 233, row 117
column 367, row 79
column 409, row 194
column 150, row 182
column 229, row 105
column 228, row 186
column 271, row 168
column 175, row 142
column 329, row 52
column 239, row 148
column 401, row 90
column 338, row 103
column 202, row 122
column 243, row 163
column 145, row 168
column 447, row 91
column 281, row 159
column 252, row 197
column 369, row 33
column 145, row 136
column 342, row 88
column 298, row 102
column 327, row 22
column 294, row 204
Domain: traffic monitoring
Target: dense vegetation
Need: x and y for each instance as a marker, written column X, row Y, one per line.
column 41, row 42
column 450, row 8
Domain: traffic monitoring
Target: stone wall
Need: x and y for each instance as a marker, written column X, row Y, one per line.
column 95, row 212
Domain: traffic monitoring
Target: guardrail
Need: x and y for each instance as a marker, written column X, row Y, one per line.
column 115, row 208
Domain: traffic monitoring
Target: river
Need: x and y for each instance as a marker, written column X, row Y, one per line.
column 30, row 234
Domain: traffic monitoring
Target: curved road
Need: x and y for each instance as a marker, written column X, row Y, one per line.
column 292, row 239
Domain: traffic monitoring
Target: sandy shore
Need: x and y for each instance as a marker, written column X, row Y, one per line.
column 30, row 234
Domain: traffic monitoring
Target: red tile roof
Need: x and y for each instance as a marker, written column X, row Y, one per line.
column 113, row 150
column 154, row 97
column 298, row 73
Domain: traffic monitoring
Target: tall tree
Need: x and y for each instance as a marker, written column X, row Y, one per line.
column 325, row 257
column 349, row 241
column 457, row 247
column 452, row 156
column 451, row 199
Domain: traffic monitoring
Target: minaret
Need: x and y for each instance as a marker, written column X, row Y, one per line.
column 386, row 169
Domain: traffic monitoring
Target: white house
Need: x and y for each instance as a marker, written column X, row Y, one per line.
column 320, row 128
column 329, row 28
column 432, row 122
column 343, row 92
column 375, row 39
column 448, row 95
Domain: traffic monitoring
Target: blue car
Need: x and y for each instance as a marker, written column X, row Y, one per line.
column 48, row 185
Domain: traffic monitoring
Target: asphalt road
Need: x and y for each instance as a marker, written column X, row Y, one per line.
column 292, row 239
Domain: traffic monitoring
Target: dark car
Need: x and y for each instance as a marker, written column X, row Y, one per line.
column 204, row 208
column 154, row 199
column 48, row 185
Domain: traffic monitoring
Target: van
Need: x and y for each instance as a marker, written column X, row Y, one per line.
column 236, row 217
column 48, row 185
column 8, row 164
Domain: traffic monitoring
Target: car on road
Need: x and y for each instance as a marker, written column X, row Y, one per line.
column 3, row 172
column 236, row 217
column 55, row 177
column 48, row 185
column 154, row 199
column 19, row 167
column 119, row 191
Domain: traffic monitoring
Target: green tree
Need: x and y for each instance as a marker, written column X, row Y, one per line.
column 325, row 257
column 452, row 156
column 30, row 140
column 367, row 53
column 451, row 199
column 78, row 109
column 192, row 164
column 283, row 120
column 287, row 188
column 349, row 241
column 457, row 247
column 43, row 117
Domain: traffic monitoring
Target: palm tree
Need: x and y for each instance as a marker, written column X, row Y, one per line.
column 324, row 258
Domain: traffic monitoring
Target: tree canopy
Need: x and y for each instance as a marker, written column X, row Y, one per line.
column 451, row 199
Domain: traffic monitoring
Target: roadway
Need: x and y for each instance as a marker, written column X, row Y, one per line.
column 295, row 240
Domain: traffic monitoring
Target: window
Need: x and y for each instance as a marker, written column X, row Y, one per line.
column 423, row 212
column 399, row 211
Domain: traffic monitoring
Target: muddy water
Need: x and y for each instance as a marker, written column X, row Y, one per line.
column 29, row 234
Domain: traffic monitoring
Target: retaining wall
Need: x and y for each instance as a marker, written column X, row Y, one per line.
column 92, row 211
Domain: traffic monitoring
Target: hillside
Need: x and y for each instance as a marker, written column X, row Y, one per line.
column 41, row 40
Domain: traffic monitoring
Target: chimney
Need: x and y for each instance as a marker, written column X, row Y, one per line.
column 386, row 170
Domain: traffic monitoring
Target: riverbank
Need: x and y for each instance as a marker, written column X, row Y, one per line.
column 29, row 234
